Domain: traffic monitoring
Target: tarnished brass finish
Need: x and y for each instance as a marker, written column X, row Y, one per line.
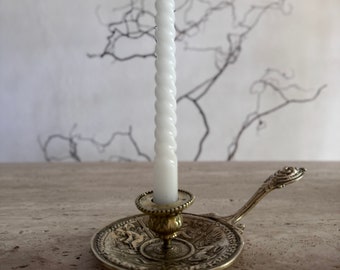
column 165, row 238
column 165, row 220
column 280, row 179
column 202, row 243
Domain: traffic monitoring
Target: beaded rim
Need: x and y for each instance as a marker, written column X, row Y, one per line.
column 145, row 204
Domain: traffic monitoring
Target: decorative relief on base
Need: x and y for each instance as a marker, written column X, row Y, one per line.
column 202, row 243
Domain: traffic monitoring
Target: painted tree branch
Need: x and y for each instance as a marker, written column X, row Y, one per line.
column 73, row 141
column 224, row 57
column 136, row 24
column 270, row 81
column 136, row 16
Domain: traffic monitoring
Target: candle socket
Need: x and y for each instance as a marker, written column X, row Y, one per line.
column 165, row 220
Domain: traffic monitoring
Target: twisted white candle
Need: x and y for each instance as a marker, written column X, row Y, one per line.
column 165, row 163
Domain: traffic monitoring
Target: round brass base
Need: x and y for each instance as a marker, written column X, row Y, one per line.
column 202, row 243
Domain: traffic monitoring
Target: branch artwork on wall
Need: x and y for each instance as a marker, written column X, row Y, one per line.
column 136, row 23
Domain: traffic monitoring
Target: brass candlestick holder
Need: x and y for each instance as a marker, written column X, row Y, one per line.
column 165, row 238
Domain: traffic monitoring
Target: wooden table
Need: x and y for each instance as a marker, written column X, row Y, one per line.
column 48, row 212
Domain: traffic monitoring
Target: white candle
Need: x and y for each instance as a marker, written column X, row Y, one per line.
column 165, row 163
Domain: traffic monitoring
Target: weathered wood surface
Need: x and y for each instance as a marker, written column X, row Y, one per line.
column 48, row 212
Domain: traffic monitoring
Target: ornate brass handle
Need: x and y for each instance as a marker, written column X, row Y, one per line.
column 280, row 179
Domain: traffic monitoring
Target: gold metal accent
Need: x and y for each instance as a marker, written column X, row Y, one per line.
column 164, row 238
column 165, row 220
column 280, row 179
column 202, row 243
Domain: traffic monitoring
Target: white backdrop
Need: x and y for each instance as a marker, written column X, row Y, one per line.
column 48, row 84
